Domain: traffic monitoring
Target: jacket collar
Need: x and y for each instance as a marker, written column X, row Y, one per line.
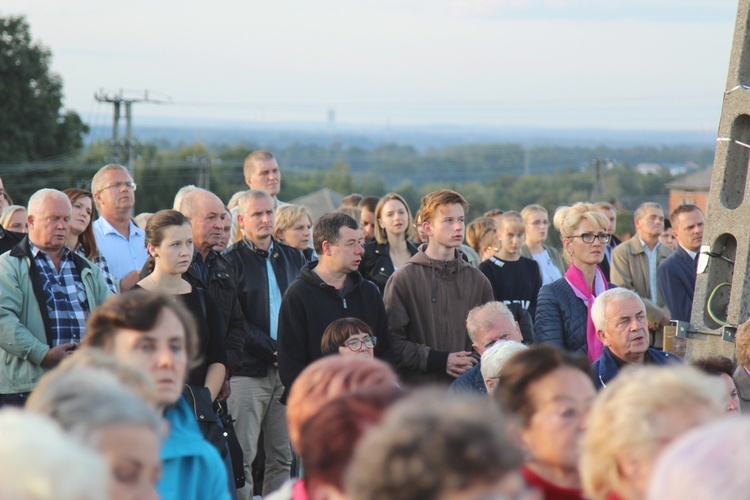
column 21, row 249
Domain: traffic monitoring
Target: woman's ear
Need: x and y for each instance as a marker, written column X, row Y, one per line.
column 151, row 250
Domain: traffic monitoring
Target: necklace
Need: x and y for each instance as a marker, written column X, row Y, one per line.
column 171, row 294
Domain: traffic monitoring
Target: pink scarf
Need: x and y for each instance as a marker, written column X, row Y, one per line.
column 575, row 278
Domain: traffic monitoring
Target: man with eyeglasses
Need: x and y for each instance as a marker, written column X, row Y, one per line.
column 121, row 242
column 263, row 268
column 634, row 266
column 619, row 316
column 328, row 289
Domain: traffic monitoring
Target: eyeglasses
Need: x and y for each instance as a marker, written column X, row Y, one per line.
column 356, row 344
column 119, row 185
column 539, row 223
column 590, row 237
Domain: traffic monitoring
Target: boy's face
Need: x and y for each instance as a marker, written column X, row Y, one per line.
column 512, row 237
column 447, row 226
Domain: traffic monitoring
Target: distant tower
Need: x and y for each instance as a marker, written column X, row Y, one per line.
column 331, row 120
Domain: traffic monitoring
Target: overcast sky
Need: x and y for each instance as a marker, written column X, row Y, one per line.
column 631, row 64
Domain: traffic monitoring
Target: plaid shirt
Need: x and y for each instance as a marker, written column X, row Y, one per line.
column 65, row 296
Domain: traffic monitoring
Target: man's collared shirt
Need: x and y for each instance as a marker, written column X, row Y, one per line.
column 274, row 294
column 652, row 257
column 123, row 255
column 65, row 296
column 203, row 268
column 692, row 254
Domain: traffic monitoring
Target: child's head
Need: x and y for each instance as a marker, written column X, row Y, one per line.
column 511, row 231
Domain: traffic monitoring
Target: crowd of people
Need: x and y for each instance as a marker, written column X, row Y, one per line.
column 246, row 350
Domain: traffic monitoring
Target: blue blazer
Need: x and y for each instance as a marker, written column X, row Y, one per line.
column 676, row 279
column 605, row 368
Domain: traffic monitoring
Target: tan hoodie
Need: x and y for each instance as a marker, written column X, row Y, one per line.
column 427, row 302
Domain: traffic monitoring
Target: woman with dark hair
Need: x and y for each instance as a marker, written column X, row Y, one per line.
column 549, row 392
column 391, row 248
column 722, row 367
column 81, row 234
column 349, row 336
column 158, row 335
column 169, row 239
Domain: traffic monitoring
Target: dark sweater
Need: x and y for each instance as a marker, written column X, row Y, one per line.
column 516, row 282
column 310, row 305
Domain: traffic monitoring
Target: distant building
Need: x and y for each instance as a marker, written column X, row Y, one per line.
column 320, row 202
column 690, row 190
column 648, row 168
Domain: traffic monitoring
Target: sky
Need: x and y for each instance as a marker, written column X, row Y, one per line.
column 615, row 64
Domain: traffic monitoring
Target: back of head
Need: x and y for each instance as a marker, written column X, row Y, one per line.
column 352, row 200
column 627, row 421
column 430, row 446
column 40, row 462
column 328, row 378
column 706, row 463
column 327, row 229
column 88, row 399
column 329, row 437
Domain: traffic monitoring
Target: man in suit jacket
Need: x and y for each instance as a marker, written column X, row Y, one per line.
column 676, row 275
column 609, row 210
column 634, row 264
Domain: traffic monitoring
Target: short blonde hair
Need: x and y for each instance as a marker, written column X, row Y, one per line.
column 380, row 235
column 495, row 307
column 567, row 219
column 8, row 212
column 481, row 233
column 437, row 199
column 626, row 419
column 286, row 216
column 511, row 218
column 532, row 209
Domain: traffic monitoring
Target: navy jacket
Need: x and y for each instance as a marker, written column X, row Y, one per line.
column 604, row 369
column 470, row 381
column 676, row 279
column 561, row 317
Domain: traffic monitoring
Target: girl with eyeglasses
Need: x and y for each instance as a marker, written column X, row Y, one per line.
column 563, row 316
column 348, row 337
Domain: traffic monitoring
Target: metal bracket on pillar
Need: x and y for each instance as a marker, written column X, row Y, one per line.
column 728, row 333
column 684, row 329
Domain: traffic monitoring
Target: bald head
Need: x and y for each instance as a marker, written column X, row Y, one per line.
column 206, row 213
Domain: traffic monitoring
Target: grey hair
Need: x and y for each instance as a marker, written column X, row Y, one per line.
column 495, row 357
column 88, row 399
column 252, row 194
column 473, row 324
column 599, row 308
column 641, row 210
column 38, row 199
column 190, row 199
column 96, row 182
column 180, row 196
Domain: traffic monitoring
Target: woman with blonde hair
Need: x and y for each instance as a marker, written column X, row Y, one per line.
column 551, row 264
column 563, row 315
column 293, row 226
column 635, row 418
column 391, row 248
column 13, row 218
column 481, row 235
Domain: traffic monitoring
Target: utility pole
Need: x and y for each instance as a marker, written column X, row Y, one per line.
column 122, row 151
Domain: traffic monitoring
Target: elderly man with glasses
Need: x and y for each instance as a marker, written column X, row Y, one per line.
column 121, row 242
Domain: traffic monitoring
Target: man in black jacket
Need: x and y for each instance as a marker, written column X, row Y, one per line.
column 328, row 289
column 263, row 269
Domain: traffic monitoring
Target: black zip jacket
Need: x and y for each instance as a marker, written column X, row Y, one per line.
column 310, row 305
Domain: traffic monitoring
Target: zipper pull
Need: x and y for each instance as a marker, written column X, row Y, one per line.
column 344, row 303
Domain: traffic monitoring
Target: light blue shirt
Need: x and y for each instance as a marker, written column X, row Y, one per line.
column 274, row 295
column 652, row 256
column 123, row 255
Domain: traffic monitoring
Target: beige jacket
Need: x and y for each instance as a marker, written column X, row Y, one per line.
column 629, row 269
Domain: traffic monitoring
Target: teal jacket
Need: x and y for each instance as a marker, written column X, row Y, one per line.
column 192, row 467
column 23, row 335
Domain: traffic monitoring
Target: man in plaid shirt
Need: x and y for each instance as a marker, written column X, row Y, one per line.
column 46, row 294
